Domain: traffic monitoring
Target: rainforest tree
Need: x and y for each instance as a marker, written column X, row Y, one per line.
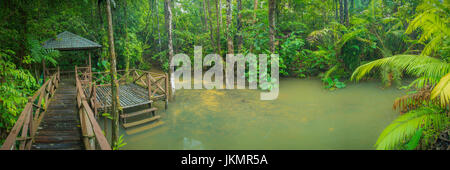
column 335, row 40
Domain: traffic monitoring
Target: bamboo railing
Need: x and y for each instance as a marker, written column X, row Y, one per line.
column 31, row 116
column 93, row 136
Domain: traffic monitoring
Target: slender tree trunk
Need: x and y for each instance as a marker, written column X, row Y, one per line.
column 99, row 10
column 229, row 37
column 113, row 73
column 157, row 27
column 204, row 17
column 255, row 7
column 272, row 25
column 239, row 26
column 336, row 10
column 341, row 11
column 169, row 25
column 346, row 17
column 352, row 5
column 211, row 35
column 219, row 23
column 127, row 57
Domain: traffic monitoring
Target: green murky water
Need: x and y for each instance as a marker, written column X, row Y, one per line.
column 305, row 116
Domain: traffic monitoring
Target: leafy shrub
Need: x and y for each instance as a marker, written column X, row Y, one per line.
column 333, row 84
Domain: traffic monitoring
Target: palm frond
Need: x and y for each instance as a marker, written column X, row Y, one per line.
column 433, row 21
column 405, row 126
column 424, row 82
column 413, row 101
column 442, row 90
column 416, row 65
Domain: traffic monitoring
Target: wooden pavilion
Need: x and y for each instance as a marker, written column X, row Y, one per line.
column 136, row 93
column 67, row 41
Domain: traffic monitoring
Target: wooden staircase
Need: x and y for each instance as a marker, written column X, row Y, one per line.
column 139, row 115
column 60, row 127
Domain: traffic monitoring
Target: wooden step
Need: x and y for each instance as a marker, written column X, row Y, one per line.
column 138, row 112
column 127, row 125
column 57, row 139
column 58, row 146
column 145, row 128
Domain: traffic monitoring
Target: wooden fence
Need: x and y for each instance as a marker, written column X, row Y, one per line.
column 31, row 116
column 93, row 136
column 156, row 84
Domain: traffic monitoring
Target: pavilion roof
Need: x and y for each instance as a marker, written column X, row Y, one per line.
column 67, row 41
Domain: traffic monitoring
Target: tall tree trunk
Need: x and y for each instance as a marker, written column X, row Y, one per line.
column 157, row 27
column 168, row 18
column 341, row 11
column 336, row 10
column 352, row 5
column 255, row 7
column 211, row 35
column 346, row 17
column 99, row 10
column 272, row 25
column 229, row 37
column 205, row 17
column 113, row 73
column 219, row 23
column 239, row 26
column 127, row 57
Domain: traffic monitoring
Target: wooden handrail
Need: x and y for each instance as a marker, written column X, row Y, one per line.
column 31, row 116
column 89, row 124
column 153, row 82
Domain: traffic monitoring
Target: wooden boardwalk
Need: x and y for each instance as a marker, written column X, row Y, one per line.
column 61, row 115
column 130, row 95
column 60, row 127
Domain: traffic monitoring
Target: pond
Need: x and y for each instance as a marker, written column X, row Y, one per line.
column 305, row 116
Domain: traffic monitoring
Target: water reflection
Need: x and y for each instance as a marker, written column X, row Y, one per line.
column 305, row 116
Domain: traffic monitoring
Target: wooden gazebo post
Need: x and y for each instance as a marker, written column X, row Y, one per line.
column 44, row 69
column 90, row 70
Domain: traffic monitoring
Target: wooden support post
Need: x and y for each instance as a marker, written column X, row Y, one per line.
column 59, row 76
column 149, row 85
column 90, row 70
column 44, row 70
column 167, row 91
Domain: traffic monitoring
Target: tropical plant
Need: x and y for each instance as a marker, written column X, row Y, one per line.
column 333, row 84
column 432, row 20
column 426, row 108
column 16, row 84
column 120, row 143
column 405, row 131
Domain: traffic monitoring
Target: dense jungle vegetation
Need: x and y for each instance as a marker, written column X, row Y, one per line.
column 338, row 41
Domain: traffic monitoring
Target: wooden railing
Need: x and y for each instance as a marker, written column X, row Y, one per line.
column 31, row 116
column 93, row 136
column 156, row 84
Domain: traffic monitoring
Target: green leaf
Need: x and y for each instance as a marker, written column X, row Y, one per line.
column 412, row 144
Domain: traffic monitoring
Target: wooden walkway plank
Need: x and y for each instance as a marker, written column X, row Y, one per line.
column 60, row 127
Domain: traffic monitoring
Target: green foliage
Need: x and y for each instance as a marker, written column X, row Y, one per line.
column 414, row 141
column 310, row 39
column 120, row 143
column 40, row 54
column 16, row 85
column 107, row 115
column 333, row 84
column 402, row 129
column 433, row 20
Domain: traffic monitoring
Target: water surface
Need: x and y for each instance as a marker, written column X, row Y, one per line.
column 305, row 116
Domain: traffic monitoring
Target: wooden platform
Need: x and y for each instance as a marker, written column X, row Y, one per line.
column 60, row 127
column 130, row 95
